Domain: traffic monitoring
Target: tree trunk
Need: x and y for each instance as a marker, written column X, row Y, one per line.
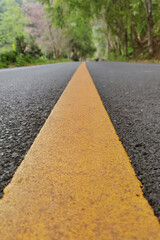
column 108, row 40
column 52, row 37
column 148, row 7
column 57, row 53
column 136, row 36
column 126, row 43
column 108, row 46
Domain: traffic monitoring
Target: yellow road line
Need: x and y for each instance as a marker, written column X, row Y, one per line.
column 76, row 181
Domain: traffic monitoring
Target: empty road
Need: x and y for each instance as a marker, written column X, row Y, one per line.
column 130, row 93
column 27, row 96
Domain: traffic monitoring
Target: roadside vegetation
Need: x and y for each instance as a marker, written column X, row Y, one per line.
column 25, row 53
column 27, row 36
column 122, row 29
column 42, row 31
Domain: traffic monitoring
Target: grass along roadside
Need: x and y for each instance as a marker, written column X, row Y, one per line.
column 134, row 60
column 31, row 62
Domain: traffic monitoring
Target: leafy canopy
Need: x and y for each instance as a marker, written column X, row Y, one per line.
column 12, row 23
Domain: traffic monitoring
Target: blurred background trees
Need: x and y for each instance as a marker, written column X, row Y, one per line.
column 12, row 23
column 128, row 28
column 97, row 29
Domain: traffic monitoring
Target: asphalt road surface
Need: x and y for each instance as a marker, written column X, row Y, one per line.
column 131, row 94
column 27, row 96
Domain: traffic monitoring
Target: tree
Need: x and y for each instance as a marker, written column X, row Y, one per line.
column 148, row 8
column 127, row 24
column 2, row 6
column 50, row 39
column 12, row 23
column 21, row 45
column 19, row 2
column 56, row 45
column 35, row 16
column 76, row 28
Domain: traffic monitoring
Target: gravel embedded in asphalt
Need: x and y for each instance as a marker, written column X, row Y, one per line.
column 27, row 96
column 131, row 95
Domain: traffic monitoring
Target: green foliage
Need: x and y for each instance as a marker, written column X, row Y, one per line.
column 57, row 14
column 79, row 27
column 25, row 60
column 80, row 33
column 12, row 23
column 121, row 58
column 14, row 47
column 19, row 2
column 21, row 45
column 23, row 53
column 7, row 58
column 2, row 6
column 76, row 28
column 2, row 37
column 34, row 50
column 22, row 60
column 125, row 22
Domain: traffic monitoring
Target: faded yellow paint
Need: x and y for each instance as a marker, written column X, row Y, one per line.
column 76, row 181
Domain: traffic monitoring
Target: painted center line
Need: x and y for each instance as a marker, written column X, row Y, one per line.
column 76, row 181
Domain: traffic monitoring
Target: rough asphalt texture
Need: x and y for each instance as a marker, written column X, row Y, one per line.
column 27, row 96
column 131, row 94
